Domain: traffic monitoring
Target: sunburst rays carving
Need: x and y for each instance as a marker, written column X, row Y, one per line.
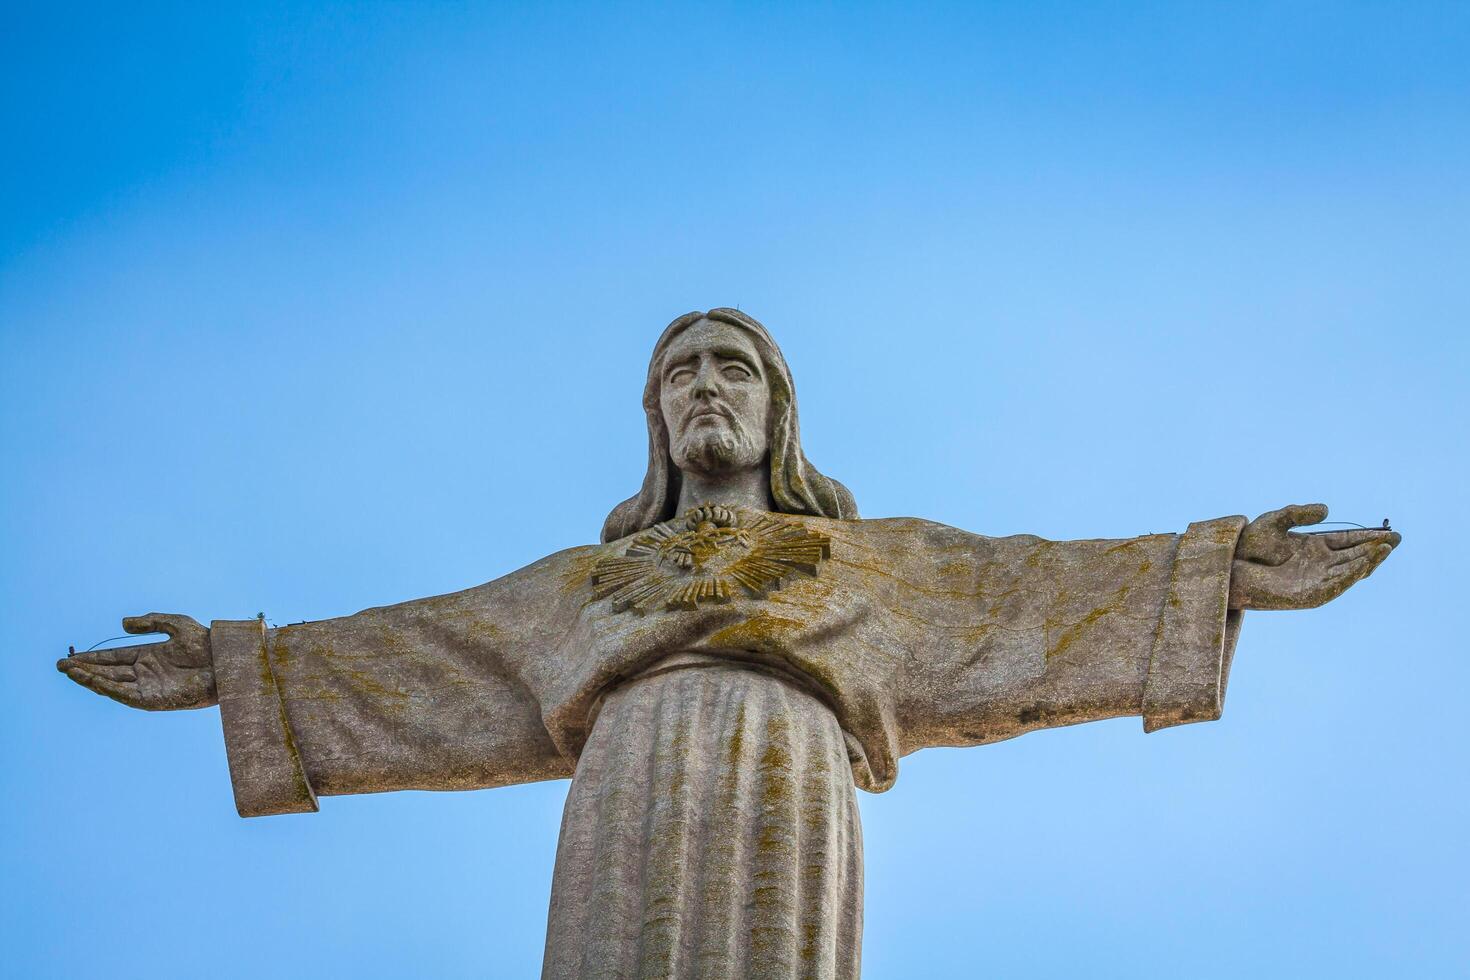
column 707, row 555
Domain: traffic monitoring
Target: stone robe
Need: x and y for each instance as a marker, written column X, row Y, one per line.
column 711, row 828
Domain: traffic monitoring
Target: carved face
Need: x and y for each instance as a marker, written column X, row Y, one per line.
column 715, row 400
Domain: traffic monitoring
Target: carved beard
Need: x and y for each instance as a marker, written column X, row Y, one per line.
column 712, row 450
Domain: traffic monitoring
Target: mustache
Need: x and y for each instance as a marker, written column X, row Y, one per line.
column 709, row 409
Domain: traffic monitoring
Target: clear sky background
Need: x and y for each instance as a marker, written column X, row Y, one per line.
column 308, row 308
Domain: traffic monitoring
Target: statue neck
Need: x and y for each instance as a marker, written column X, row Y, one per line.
column 744, row 488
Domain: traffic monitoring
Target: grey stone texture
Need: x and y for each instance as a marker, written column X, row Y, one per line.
column 719, row 674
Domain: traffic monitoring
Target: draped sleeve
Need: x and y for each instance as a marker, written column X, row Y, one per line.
column 1014, row 634
column 433, row 694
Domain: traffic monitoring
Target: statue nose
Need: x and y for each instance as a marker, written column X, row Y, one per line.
column 705, row 383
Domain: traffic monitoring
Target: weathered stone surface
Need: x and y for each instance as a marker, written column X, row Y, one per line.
column 713, row 811
column 718, row 675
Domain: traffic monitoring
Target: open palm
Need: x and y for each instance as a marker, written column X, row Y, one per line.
column 1277, row 568
column 175, row 674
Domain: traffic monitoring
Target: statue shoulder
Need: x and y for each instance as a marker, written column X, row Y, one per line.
column 558, row 572
column 920, row 530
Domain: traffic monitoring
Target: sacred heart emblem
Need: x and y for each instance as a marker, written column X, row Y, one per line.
column 704, row 557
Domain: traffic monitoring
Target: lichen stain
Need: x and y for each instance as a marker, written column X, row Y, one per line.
column 825, row 679
column 576, row 578
column 366, row 683
column 267, row 679
column 759, row 633
column 737, row 739
column 957, row 568
column 484, row 632
column 1070, row 634
column 868, row 574
column 816, row 606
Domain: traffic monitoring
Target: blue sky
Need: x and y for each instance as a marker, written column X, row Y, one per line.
column 308, row 308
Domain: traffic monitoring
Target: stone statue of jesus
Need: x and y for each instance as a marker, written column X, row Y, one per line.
column 717, row 676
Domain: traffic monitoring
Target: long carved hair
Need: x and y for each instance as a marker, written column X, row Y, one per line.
column 796, row 485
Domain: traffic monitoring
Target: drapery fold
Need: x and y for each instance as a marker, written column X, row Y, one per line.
column 711, row 832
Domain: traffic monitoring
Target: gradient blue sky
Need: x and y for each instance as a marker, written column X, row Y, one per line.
column 307, row 308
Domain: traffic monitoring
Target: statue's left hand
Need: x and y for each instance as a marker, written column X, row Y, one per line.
column 178, row 673
column 1276, row 568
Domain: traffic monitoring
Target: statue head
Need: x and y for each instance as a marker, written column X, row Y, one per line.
column 720, row 398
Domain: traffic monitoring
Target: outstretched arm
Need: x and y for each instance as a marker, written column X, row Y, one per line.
column 436, row 693
column 1062, row 632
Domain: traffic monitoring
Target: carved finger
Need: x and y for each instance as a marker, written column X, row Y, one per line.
column 150, row 623
column 113, row 672
column 1379, row 554
column 117, row 690
column 1346, row 556
column 1340, row 540
column 109, row 657
column 1296, row 515
column 1348, row 573
column 170, row 623
column 1372, row 556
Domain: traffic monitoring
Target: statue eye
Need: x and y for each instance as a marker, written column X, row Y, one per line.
column 736, row 372
column 681, row 376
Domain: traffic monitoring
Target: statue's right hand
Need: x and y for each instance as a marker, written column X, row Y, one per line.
column 178, row 673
